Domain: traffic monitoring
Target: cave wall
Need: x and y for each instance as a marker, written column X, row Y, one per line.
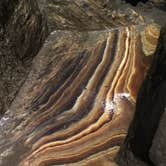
column 23, row 29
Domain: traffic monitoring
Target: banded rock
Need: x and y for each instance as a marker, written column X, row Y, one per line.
column 79, row 99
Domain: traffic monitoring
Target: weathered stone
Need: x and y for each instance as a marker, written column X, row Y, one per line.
column 158, row 149
column 88, row 15
column 22, row 32
column 161, row 4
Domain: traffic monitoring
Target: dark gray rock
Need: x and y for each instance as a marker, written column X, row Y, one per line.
column 129, row 159
column 158, row 149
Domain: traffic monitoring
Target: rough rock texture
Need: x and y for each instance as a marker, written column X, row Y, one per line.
column 129, row 159
column 88, row 15
column 97, row 14
column 161, row 4
column 22, row 32
column 158, row 149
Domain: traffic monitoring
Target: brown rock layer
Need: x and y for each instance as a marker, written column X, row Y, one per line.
column 77, row 103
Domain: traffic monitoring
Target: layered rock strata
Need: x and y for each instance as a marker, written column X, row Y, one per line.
column 152, row 102
column 76, row 106
column 79, row 99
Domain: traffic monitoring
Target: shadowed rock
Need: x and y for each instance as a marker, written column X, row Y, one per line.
column 22, row 32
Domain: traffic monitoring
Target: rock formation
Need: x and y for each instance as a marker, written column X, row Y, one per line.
column 151, row 101
column 79, row 99
column 22, row 32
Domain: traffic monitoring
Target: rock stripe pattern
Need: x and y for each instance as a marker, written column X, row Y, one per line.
column 82, row 102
